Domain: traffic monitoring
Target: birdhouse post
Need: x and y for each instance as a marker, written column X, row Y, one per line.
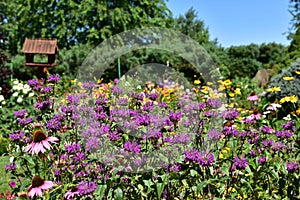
column 47, row 47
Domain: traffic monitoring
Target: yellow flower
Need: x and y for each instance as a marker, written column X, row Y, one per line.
column 288, row 78
column 237, row 91
column 209, row 83
column 205, row 89
column 197, row 82
column 293, row 99
column 221, row 156
column 273, row 89
column 297, row 72
column 227, row 82
column 298, row 111
column 231, row 94
column 285, row 99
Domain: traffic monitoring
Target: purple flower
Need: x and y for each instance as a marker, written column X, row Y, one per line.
column 116, row 90
column 153, row 96
column 284, row 134
column 267, row 143
column 53, row 78
column 33, row 82
column 262, row 160
column 20, row 113
column 175, row 117
column 17, row 136
column 11, row 167
column 230, row 114
column 240, row 163
column 289, row 126
column 267, row 129
column 132, row 147
column 86, row 187
column 12, row 184
column 148, row 106
column 72, row 148
column 214, row 134
column 214, row 103
column 292, row 167
column 277, row 146
column 43, row 105
column 25, row 121
column 206, row 159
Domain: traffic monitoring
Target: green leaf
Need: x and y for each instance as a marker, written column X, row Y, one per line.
column 119, row 194
column 160, row 186
column 193, row 172
column 200, row 186
column 100, row 191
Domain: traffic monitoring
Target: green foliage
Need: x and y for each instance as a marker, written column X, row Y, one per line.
column 287, row 88
column 73, row 22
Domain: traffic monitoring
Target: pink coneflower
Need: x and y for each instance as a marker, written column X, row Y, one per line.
column 253, row 96
column 255, row 115
column 38, row 185
column 71, row 193
column 40, row 142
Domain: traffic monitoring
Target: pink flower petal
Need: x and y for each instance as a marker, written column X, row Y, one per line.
column 46, row 144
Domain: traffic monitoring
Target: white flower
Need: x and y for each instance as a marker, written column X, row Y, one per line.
column 11, row 159
column 19, row 100
column 30, row 94
column 15, row 94
column 288, row 117
column 139, row 87
column 27, row 87
column 15, row 87
column 16, row 82
column 0, row 88
column 1, row 98
column 25, row 91
column 3, row 102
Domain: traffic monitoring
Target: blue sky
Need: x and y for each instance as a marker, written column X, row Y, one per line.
column 240, row 22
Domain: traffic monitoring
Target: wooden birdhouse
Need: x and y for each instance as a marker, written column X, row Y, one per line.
column 43, row 47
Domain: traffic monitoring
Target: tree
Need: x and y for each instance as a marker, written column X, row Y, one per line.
column 78, row 21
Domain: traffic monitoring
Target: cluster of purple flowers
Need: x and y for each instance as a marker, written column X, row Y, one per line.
column 202, row 158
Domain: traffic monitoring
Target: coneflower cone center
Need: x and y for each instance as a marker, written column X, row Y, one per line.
column 39, row 136
column 37, row 182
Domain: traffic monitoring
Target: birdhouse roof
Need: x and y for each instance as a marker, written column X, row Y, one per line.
column 40, row 46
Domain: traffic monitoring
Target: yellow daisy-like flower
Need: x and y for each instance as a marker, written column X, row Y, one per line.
column 209, row 83
column 285, row 99
column 231, row 94
column 288, row 78
column 205, row 89
column 293, row 99
column 197, row 82
column 298, row 111
column 237, row 91
column 298, row 72
column 273, row 89
column 227, row 82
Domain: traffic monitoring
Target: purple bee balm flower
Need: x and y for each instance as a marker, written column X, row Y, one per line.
column 33, row 82
column 214, row 103
column 25, row 121
column 12, row 184
column 20, row 113
column 206, row 159
column 148, row 106
column 116, row 90
column 153, row 96
column 267, row 129
column 17, row 136
column 132, row 147
column 262, row 160
column 230, row 114
column 53, row 78
column 292, row 167
column 267, row 143
column 277, row 146
column 72, row 148
column 175, row 117
column 86, row 187
column 43, row 105
column 214, row 134
column 284, row 134
column 289, row 126
column 240, row 163
column 11, row 167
